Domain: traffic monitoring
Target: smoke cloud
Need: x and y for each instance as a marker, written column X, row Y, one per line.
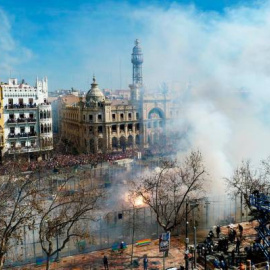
column 224, row 58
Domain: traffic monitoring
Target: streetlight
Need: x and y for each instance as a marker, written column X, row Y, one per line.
column 187, row 240
column 194, row 204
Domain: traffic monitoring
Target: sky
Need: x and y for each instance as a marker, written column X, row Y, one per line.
column 69, row 40
column 214, row 55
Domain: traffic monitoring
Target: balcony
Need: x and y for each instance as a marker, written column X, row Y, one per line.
column 26, row 149
column 46, row 148
column 22, row 135
column 11, row 121
column 21, row 120
column 20, row 106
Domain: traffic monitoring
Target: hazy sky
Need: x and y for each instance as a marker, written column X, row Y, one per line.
column 69, row 40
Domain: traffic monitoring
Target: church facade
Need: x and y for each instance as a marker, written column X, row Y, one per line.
column 98, row 124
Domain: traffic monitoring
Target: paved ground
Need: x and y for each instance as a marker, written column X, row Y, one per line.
column 93, row 260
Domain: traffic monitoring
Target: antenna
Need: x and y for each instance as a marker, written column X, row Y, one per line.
column 120, row 72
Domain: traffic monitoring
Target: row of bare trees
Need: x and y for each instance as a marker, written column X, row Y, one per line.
column 33, row 200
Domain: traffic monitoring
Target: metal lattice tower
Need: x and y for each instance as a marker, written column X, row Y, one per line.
column 137, row 60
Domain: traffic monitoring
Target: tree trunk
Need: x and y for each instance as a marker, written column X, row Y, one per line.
column 2, row 261
column 132, row 246
column 48, row 263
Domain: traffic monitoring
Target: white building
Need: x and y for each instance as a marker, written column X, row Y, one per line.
column 27, row 118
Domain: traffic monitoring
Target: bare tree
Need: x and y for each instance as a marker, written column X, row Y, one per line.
column 18, row 202
column 246, row 179
column 166, row 190
column 62, row 212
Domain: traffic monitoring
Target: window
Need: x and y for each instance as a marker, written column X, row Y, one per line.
column 22, row 129
column 30, row 100
column 129, row 116
column 90, row 117
column 91, row 130
column 21, row 115
column 20, row 101
column 23, row 144
column 83, row 117
column 11, row 116
column 100, row 129
column 122, row 116
column 10, row 101
column 99, row 117
column 113, row 116
column 113, row 128
column 12, row 130
column 122, row 127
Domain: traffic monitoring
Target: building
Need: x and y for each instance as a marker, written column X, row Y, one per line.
column 27, row 118
column 57, row 103
column 1, row 124
column 99, row 124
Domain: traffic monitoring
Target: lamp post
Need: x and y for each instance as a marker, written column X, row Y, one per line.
column 187, row 240
column 204, row 255
column 194, row 204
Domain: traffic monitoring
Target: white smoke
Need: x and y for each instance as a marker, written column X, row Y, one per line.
column 226, row 59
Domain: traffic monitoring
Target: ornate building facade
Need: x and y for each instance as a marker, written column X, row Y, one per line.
column 27, row 118
column 102, row 125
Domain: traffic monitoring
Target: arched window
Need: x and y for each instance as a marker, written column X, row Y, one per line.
column 123, row 143
column 114, row 142
column 130, row 140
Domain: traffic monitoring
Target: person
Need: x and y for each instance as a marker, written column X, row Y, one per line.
column 233, row 257
column 241, row 266
column 105, row 262
column 218, row 231
column 240, row 228
column 145, row 263
column 267, row 266
column 237, row 248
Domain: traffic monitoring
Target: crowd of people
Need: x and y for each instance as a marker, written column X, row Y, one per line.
column 63, row 160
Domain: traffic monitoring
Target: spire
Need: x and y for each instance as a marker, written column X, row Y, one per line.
column 137, row 60
column 94, row 84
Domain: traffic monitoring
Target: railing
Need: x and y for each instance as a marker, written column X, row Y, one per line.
column 11, row 121
column 43, row 148
column 24, row 149
column 22, row 135
column 20, row 106
column 21, row 120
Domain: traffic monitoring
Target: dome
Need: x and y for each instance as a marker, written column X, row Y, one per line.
column 94, row 95
column 137, row 48
column 137, row 56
